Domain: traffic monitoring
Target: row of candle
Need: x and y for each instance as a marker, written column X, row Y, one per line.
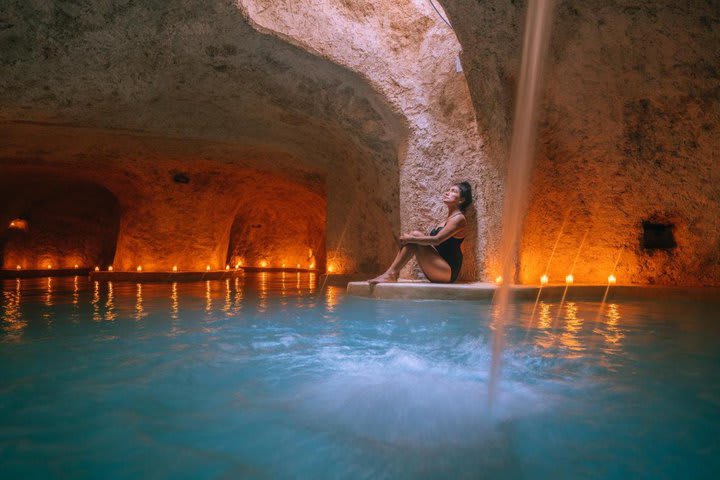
column 569, row 279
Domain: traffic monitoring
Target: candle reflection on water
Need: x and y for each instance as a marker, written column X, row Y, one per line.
column 208, row 298
column 95, row 302
column 110, row 313
column 14, row 323
column 237, row 303
column 174, row 308
column 139, row 311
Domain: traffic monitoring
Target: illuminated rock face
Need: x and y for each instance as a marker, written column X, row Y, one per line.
column 405, row 51
column 126, row 95
column 354, row 114
column 628, row 134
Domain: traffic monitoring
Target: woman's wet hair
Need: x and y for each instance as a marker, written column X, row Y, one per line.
column 465, row 194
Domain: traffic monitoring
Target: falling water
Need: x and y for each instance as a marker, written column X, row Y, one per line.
column 537, row 33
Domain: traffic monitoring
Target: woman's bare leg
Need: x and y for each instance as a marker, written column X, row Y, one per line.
column 402, row 257
column 392, row 273
column 435, row 268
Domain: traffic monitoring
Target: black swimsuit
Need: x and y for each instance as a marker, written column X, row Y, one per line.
column 450, row 251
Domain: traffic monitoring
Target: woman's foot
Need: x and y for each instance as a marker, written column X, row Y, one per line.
column 387, row 277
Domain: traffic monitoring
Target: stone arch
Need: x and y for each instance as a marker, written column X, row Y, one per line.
column 71, row 222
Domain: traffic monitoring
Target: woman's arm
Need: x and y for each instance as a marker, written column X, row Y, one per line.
column 453, row 226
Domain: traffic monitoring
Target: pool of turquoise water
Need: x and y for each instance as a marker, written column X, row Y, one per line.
column 275, row 376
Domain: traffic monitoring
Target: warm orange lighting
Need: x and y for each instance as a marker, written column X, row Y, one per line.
column 49, row 266
column 174, row 268
column 76, row 265
column 110, row 269
column 569, row 279
column 97, row 269
column 612, row 279
column 227, row 267
column 19, row 224
column 312, row 265
column 207, row 268
column 499, row 280
column 544, row 280
column 298, row 265
column 283, row 265
column 330, row 269
column 139, row 268
column 263, row 264
column 18, row 267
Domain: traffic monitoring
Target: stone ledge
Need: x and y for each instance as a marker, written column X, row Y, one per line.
column 485, row 291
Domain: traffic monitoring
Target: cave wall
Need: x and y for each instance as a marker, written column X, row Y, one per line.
column 628, row 132
column 280, row 227
column 125, row 94
column 70, row 223
column 405, row 51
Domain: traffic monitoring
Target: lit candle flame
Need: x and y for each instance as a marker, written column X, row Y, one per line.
column 97, row 269
column 139, row 268
column 207, row 268
column 76, row 265
column 569, row 279
column 612, row 279
column 499, row 280
column 227, row 267
column 174, row 268
column 110, row 268
column 18, row 267
column 263, row 264
column 49, row 266
column 544, row 280
column 330, row 269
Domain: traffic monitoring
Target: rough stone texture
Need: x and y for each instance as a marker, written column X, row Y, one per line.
column 125, row 94
column 629, row 132
column 285, row 229
column 404, row 51
column 70, row 223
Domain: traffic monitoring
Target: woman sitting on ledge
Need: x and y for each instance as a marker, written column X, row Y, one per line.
column 437, row 253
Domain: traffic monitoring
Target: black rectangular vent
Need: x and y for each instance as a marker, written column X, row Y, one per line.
column 658, row 236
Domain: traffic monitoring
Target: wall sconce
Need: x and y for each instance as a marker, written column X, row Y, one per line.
column 19, row 224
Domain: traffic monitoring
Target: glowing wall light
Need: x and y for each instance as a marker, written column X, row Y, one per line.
column 19, row 224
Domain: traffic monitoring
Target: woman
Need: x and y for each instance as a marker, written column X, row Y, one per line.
column 437, row 253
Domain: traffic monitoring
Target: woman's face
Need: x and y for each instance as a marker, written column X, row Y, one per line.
column 452, row 196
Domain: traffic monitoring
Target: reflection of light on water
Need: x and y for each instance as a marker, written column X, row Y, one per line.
column 570, row 338
column 174, row 302
column 612, row 333
column 263, row 293
column 110, row 314
column 208, row 297
column 96, row 302
column 138, row 302
column 226, row 308
column 545, row 320
column 283, row 284
column 311, row 283
column 48, row 293
column 297, row 285
column 545, row 338
column 237, row 303
column 76, row 291
column 331, row 298
column 14, row 323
